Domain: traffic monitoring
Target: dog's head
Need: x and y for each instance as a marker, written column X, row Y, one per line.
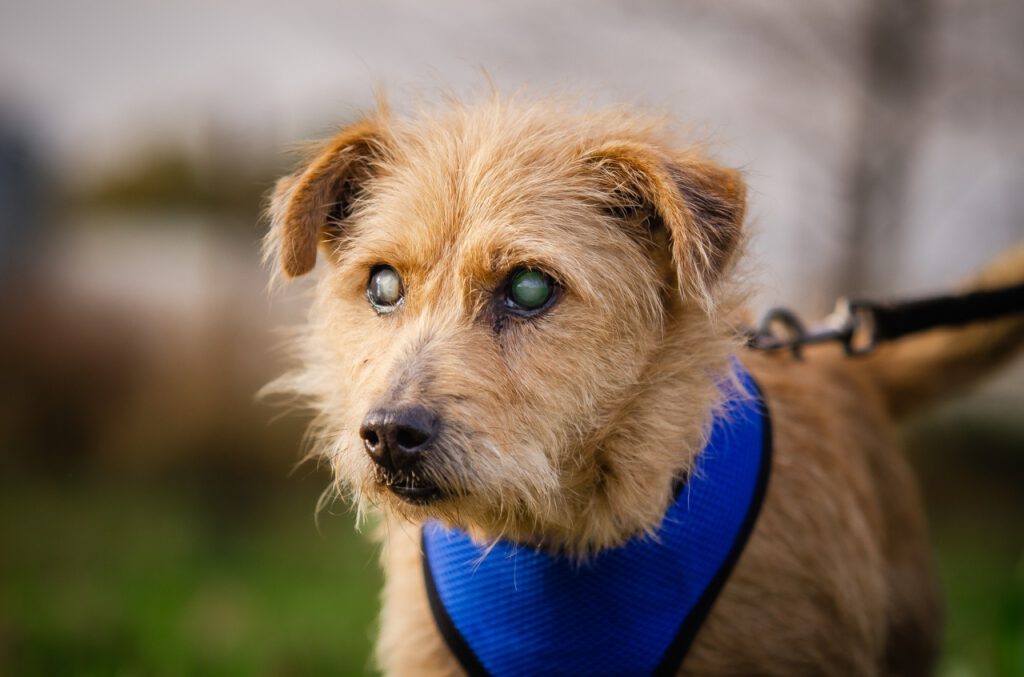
column 515, row 327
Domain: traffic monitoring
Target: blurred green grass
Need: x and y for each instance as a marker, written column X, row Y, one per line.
column 969, row 457
column 230, row 575
column 130, row 578
column 983, row 583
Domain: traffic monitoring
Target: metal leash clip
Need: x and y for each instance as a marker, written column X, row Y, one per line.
column 861, row 325
column 852, row 324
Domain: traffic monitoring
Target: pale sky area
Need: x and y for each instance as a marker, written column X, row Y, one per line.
column 776, row 86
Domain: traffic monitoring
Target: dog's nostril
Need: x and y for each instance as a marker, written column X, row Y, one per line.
column 410, row 438
column 396, row 438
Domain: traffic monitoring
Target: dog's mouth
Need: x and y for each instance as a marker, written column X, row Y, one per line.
column 411, row 487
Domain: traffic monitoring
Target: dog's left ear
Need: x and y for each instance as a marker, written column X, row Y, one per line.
column 700, row 205
column 318, row 197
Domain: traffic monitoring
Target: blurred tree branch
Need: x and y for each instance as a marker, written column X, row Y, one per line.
column 897, row 54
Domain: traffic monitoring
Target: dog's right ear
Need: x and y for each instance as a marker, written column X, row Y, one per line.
column 320, row 195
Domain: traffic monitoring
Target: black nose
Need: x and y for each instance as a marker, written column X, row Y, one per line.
column 397, row 438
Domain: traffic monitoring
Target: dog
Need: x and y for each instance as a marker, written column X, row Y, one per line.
column 525, row 330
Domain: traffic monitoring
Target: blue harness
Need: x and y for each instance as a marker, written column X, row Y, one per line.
column 632, row 610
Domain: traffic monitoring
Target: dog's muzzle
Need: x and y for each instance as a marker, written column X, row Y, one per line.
column 397, row 440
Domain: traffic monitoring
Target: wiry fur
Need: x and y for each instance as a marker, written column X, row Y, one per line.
column 484, row 189
column 568, row 430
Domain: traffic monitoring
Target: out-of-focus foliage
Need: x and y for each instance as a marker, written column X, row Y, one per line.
column 171, row 181
column 180, row 577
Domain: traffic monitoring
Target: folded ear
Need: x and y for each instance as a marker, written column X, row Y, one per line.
column 319, row 196
column 700, row 205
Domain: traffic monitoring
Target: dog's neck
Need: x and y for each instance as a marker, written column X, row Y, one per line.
column 621, row 481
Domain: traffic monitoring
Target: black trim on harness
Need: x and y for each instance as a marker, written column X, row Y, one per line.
column 452, row 637
column 679, row 647
column 681, row 643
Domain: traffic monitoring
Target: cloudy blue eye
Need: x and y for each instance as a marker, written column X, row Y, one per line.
column 529, row 290
column 384, row 289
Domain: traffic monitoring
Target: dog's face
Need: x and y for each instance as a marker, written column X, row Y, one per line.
column 501, row 284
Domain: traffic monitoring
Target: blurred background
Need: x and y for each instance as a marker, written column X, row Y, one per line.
column 152, row 521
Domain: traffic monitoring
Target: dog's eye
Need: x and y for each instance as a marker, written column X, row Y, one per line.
column 384, row 289
column 529, row 290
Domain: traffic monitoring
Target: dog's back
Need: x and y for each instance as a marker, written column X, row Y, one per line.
column 912, row 373
column 843, row 534
column 521, row 331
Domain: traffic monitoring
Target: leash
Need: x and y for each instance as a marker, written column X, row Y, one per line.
column 860, row 325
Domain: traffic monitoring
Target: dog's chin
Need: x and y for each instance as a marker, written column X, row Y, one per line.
column 408, row 490
column 416, row 494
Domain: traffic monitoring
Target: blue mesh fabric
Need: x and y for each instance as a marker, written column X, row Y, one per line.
column 525, row 612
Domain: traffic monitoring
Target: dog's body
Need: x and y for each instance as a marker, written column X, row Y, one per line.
column 836, row 569
column 564, row 424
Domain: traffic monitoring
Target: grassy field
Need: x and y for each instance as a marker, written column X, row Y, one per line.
column 183, row 576
column 103, row 579
column 971, row 466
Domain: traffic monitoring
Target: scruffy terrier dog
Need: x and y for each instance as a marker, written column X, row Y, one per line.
column 524, row 334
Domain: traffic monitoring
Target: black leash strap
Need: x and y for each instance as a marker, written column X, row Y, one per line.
column 861, row 325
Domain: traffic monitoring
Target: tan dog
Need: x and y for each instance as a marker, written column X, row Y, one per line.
column 519, row 330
